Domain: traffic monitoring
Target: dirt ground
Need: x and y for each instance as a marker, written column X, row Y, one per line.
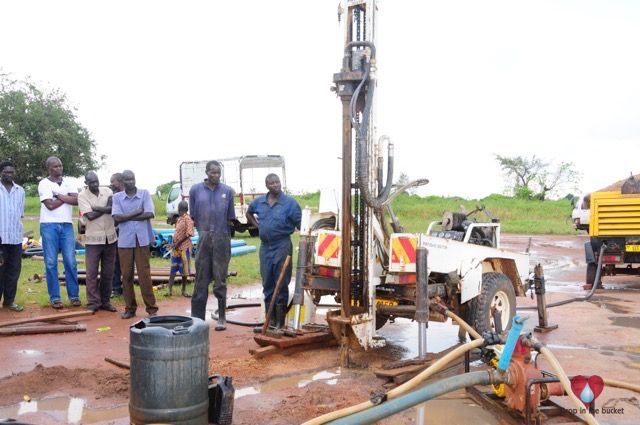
column 597, row 337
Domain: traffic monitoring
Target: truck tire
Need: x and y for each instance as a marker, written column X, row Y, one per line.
column 254, row 232
column 381, row 321
column 592, row 270
column 496, row 294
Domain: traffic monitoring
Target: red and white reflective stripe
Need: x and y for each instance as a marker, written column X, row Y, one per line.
column 328, row 245
column 403, row 249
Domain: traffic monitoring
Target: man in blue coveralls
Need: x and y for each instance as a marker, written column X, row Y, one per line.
column 211, row 207
column 277, row 216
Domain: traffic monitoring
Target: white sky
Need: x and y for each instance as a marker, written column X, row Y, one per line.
column 157, row 83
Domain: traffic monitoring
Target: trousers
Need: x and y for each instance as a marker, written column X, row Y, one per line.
column 213, row 254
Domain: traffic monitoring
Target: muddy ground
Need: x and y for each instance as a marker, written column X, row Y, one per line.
column 67, row 380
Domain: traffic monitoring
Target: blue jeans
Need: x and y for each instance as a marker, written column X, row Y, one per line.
column 59, row 237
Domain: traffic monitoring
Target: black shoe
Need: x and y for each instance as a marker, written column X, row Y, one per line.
column 128, row 315
column 109, row 307
column 272, row 318
column 92, row 309
column 281, row 313
column 222, row 318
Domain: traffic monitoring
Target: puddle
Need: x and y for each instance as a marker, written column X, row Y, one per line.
column 404, row 333
column 30, row 352
column 627, row 321
column 330, row 377
column 66, row 410
column 435, row 412
column 612, row 307
column 567, row 347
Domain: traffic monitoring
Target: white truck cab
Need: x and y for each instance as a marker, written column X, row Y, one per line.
column 245, row 174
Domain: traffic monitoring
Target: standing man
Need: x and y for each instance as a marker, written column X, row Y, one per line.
column 278, row 216
column 132, row 211
column 117, row 185
column 100, row 242
column 212, row 209
column 57, row 198
column 11, row 211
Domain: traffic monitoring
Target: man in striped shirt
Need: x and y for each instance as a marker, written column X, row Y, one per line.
column 11, row 212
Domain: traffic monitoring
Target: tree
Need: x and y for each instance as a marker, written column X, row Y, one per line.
column 402, row 180
column 36, row 123
column 165, row 187
column 535, row 178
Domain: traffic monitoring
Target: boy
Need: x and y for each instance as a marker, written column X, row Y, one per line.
column 182, row 246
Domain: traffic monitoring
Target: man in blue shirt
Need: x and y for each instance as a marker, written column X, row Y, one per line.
column 132, row 211
column 277, row 216
column 11, row 211
column 212, row 209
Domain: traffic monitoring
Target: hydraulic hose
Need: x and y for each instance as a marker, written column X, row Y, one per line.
column 570, row 300
column 421, row 395
column 464, row 325
column 402, row 389
column 214, row 315
column 564, row 380
column 622, row 384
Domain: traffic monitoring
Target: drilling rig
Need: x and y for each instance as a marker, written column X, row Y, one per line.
column 374, row 271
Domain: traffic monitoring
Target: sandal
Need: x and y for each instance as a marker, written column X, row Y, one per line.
column 15, row 307
column 76, row 303
column 57, row 304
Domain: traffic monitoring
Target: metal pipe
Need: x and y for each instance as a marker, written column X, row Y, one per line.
column 43, row 329
column 298, row 295
column 422, row 300
column 429, row 392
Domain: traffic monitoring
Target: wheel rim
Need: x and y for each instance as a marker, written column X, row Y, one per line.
column 501, row 303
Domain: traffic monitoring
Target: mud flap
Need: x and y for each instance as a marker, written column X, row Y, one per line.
column 589, row 255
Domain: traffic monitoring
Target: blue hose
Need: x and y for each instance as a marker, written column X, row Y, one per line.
column 428, row 392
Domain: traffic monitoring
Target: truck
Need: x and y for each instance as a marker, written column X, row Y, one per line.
column 468, row 270
column 614, row 223
column 611, row 218
column 245, row 174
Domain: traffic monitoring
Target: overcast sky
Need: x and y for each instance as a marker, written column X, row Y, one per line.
column 157, row 83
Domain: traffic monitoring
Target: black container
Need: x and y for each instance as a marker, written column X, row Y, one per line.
column 221, row 396
column 169, row 369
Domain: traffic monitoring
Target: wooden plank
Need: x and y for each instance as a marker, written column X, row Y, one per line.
column 118, row 362
column 314, row 346
column 261, row 352
column 47, row 318
column 264, row 340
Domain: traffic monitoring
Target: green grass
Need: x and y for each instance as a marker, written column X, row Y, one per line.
column 415, row 213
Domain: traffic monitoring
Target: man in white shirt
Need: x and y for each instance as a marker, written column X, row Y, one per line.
column 57, row 197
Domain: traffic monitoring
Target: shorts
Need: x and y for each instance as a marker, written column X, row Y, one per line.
column 181, row 262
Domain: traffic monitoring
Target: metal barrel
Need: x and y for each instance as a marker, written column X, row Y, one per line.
column 169, row 357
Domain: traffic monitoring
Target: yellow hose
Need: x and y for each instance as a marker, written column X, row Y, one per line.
column 464, row 325
column 564, row 380
column 407, row 386
column 621, row 384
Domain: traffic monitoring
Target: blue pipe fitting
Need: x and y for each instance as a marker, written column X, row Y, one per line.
column 512, row 339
